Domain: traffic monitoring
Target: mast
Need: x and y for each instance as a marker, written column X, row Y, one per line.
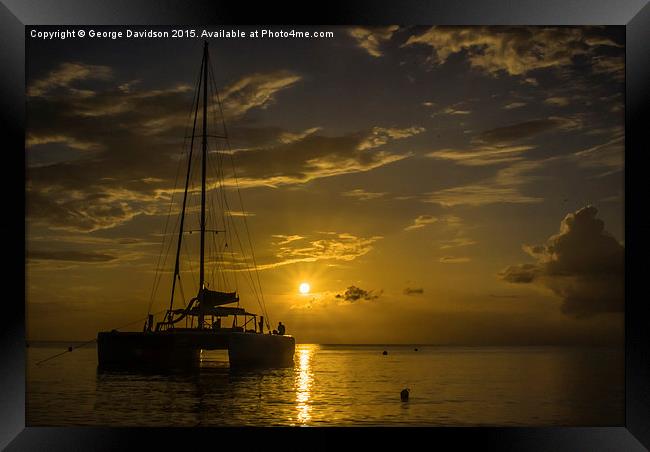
column 203, row 168
column 187, row 183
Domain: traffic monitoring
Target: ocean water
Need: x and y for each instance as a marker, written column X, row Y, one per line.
column 338, row 385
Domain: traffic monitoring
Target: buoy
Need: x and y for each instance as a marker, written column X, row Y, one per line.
column 404, row 395
column 385, row 353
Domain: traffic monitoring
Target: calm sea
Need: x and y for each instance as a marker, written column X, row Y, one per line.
column 339, row 385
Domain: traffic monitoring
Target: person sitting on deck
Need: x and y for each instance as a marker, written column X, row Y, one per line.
column 281, row 329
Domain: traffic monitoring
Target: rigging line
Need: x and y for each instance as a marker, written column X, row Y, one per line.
column 225, row 130
column 212, row 246
column 159, row 271
column 252, row 285
column 162, row 245
column 187, row 178
column 245, row 259
column 215, row 239
column 158, row 274
column 158, row 277
column 189, row 263
column 212, row 215
column 215, row 194
column 220, row 194
column 225, row 212
column 180, row 287
column 70, row 349
column 221, row 179
column 246, row 263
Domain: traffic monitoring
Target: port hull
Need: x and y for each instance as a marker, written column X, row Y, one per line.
column 181, row 349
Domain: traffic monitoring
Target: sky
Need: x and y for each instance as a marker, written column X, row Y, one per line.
column 447, row 185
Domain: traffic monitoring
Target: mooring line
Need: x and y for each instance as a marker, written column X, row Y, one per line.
column 70, row 349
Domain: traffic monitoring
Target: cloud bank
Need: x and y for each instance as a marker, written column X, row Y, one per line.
column 583, row 264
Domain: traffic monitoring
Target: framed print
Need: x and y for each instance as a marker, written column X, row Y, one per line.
column 416, row 215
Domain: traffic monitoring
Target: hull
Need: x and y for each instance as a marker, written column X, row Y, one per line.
column 260, row 350
column 181, row 349
column 140, row 350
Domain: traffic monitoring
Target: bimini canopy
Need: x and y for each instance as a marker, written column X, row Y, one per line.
column 213, row 298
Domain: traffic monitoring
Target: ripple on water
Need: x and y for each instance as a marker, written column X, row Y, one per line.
column 339, row 385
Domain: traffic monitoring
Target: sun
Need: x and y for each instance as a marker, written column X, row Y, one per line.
column 304, row 288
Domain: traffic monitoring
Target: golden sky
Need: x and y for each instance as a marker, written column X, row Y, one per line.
column 431, row 184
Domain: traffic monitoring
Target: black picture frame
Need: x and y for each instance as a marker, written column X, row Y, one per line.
column 633, row 14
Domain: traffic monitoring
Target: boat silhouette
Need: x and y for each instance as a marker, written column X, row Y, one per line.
column 166, row 344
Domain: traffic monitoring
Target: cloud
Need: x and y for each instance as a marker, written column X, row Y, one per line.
column 370, row 39
column 354, row 293
column 66, row 74
column 317, row 157
column 120, row 183
column 382, row 135
column 457, row 243
column 504, row 187
column 87, row 211
column 453, row 260
column 284, row 239
column 582, row 264
column 609, row 155
column 363, row 195
column 524, row 130
column 613, row 66
column 514, row 105
column 515, row 50
column 557, row 101
column 289, row 137
column 481, row 155
column 413, row 291
column 71, row 142
column 117, row 182
column 453, row 111
column 499, row 145
column 477, row 195
column 456, row 109
column 255, row 90
column 73, row 256
column 420, row 222
column 239, row 213
column 324, row 246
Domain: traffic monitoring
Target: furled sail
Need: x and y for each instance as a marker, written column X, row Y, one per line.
column 213, row 298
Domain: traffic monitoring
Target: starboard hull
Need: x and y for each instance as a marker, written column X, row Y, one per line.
column 260, row 350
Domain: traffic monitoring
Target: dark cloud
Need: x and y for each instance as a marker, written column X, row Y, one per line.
column 521, row 130
column 129, row 141
column 413, row 291
column 516, row 51
column 73, row 256
column 371, row 39
column 583, row 264
column 354, row 293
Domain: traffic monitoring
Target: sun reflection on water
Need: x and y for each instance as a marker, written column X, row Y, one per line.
column 303, row 384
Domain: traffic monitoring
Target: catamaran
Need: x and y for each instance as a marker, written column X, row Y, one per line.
column 177, row 339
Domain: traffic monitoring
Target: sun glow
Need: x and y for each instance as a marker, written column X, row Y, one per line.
column 304, row 288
